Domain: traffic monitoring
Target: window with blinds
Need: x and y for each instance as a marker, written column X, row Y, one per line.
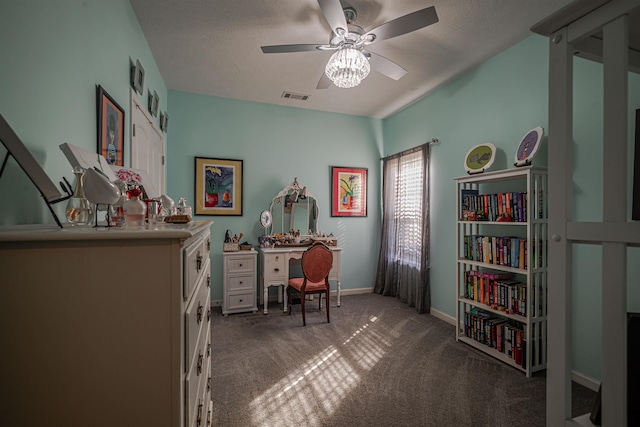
column 407, row 213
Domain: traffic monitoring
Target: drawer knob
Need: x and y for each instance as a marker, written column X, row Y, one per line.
column 240, row 264
column 209, row 384
column 208, row 244
column 199, row 313
column 209, row 417
column 200, row 359
column 199, row 422
column 208, row 315
column 209, row 352
column 276, row 269
column 199, row 261
column 208, row 281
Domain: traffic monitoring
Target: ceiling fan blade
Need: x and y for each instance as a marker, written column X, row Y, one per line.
column 386, row 66
column 284, row 48
column 404, row 24
column 324, row 82
column 333, row 13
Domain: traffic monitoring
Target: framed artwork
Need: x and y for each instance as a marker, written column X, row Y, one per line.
column 479, row 158
column 218, row 186
column 154, row 100
column 528, row 147
column 348, row 191
column 110, row 128
column 164, row 121
column 137, row 77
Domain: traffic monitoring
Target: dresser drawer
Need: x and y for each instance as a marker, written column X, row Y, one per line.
column 196, row 386
column 274, row 266
column 241, row 264
column 245, row 300
column 208, row 385
column 196, row 258
column 241, row 283
column 196, row 314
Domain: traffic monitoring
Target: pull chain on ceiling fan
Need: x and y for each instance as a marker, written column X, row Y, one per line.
column 351, row 62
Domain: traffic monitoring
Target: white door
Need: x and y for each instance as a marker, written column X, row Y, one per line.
column 147, row 145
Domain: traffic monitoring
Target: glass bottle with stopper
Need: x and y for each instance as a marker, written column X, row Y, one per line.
column 134, row 208
column 182, row 208
column 79, row 210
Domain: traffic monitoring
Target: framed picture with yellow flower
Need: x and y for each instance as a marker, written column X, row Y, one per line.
column 348, row 191
column 218, row 189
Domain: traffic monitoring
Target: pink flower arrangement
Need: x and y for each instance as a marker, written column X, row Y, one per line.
column 127, row 175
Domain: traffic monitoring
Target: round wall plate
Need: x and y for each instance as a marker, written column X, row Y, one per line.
column 528, row 146
column 265, row 218
column 480, row 158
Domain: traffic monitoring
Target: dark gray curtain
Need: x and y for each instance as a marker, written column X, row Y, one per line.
column 403, row 263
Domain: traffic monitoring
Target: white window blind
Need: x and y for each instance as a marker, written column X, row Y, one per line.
column 408, row 212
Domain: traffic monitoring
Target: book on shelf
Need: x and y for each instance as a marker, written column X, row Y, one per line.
column 501, row 334
column 497, row 250
column 501, row 207
column 468, row 199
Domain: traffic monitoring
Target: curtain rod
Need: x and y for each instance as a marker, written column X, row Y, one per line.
column 434, row 141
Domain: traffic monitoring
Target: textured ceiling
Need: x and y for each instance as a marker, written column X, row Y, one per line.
column 213, row 47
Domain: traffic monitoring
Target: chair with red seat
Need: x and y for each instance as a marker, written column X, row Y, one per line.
column 316, row 265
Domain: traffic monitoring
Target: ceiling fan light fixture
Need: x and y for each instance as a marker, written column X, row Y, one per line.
column 347, row 67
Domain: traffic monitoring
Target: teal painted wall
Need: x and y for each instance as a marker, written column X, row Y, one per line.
column 499, row 102
column 277, row 144
column 54, row 53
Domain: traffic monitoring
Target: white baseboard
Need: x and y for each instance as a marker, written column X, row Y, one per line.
column 334, row 292
column 355, row 291
column 443, row 316
column 584, row 380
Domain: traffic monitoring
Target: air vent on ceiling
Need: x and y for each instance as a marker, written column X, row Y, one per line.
column 297, row 96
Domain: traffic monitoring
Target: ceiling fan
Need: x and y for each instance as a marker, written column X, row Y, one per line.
column 351, row 62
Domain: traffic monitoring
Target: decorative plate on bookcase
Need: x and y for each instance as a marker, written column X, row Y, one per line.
column 479, row 158
column 528, row 146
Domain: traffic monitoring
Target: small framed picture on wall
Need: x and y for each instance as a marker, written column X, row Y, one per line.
column 110, row 128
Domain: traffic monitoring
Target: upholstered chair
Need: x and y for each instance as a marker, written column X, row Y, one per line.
column 316, row 265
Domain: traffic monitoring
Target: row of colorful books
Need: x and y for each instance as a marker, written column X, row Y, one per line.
column 507, row 251
column 503, row 335
column 497, row 290
column 511, row 206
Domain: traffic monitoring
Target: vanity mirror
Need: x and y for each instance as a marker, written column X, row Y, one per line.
column 293, row 208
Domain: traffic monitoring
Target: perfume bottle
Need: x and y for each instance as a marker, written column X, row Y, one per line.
column 134, row 209
column 183, row 208
column 79, row 210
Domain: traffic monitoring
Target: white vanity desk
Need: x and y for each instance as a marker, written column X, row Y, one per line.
column 274, row 270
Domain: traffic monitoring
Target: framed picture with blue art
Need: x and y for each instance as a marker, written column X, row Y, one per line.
column 218, row 186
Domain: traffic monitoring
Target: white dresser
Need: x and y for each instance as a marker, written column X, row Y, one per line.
column 240, row 272
column 105, row 327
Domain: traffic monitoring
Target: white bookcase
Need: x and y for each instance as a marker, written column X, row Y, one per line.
column 490, row 311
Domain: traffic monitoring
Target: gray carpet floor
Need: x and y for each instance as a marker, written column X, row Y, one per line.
column 378, row 363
